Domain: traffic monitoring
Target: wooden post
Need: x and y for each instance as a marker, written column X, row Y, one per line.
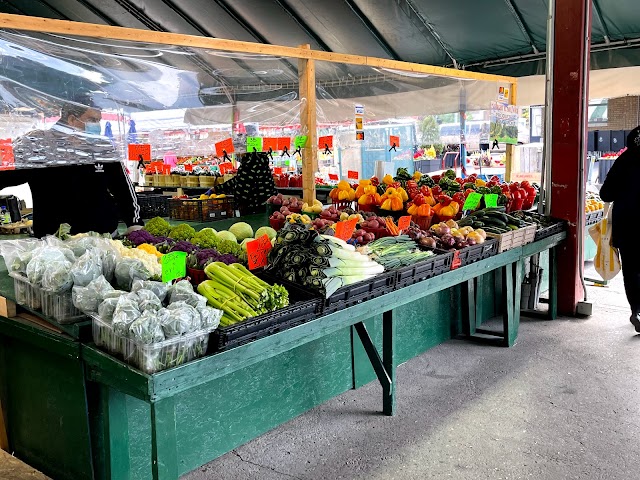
column 307, row 75
column 511, row 149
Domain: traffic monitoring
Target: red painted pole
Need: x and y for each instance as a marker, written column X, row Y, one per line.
column 569, row 131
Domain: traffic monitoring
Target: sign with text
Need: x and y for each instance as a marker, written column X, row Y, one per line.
column 455, row 264
column 352, row 175
column 325, row 142
column 504, row 123
column 301, row 141
column 472, row 202
column 333, row 176
column 137, row 149
column 284, row 142
column 394, row 141
column 254, row 143
column 7, row 160
column 188, row 167
column 277, row 170
column 166, row 169
column 404, row 223
column 345, row 229
column 224, row 146
column 270, row 143
column 225, row 167
column 258, row 252
column 359, row 109
column 491, row 200
column 174, row 265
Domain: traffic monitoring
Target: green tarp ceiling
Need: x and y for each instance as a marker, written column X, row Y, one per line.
column 473, row 34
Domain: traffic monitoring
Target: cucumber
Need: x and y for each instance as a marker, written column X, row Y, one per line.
column 495, row 209
column 493, row 230
column 494, row 222
column 477, row 224
column 477, row 213
column 512, row 227
column 500, row 216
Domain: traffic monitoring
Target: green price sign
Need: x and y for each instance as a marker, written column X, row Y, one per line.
column 472, row 202
column 300, row 141
column 254, row 143
column 174, row 265
column 491, row 200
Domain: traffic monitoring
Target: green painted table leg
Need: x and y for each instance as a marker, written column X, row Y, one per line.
column 116, row 425
column 508, row 305
column 470, row 312
column 164, row 455
column 553, row 283
column 479, row 301
column 518, row 268
column 388, row 359
column 374, row 356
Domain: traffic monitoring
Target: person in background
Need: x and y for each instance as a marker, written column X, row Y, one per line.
column 620, row 188
column 75, row 176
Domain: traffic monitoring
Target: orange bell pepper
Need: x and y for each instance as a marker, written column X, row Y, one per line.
column 437, row 208
column 396, row 204
column 386, row 205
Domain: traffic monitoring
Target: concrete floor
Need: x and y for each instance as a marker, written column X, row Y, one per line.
column 562, row 404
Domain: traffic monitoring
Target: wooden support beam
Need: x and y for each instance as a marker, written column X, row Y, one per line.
column 7, row 308
column 307, row 75
column 511, row 149
column 65, row 27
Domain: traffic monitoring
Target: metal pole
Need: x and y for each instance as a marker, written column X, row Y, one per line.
column 545, row 198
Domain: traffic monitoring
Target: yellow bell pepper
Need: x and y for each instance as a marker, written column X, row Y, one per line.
column 387, row 180
column 386, row 205
column 480, row 182
column 403, row 194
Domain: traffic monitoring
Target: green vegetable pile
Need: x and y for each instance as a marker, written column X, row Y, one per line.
column 239, row 293
column 182, row 232
column 395, row 252
column 158, row 227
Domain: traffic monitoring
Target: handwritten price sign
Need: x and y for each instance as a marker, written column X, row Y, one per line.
column 137, row 149
column 258, row 252
column 270, row 143
column 333, row 176
column 7, row 161
column 225, row 167
column 394, row 141
column 352, row 175
column 325, row 142
column 277, row 170
column 345, row 229
column 404, row 223
column 301, row 141
column 174, row 265
column 284, row 142
column 472, row 202
column 224, row 146
column 491, row 200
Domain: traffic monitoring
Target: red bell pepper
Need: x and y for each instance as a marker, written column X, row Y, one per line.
column 505, row 188
column 495, row 179
column 514, row 186
column 468, row 192
column 419, row 199
column 412, row 184
column 437, row 190
column 444, row 200
column 460, row 181
column 436, row 178
column 375, row 181
column 491, row 184
column 458, row 197
column 424, row 190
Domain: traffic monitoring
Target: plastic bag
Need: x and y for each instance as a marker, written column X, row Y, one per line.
column 107, row 308
column 43, row 257
column 128, row 270
column 57, row 276
column 160, row 289
column 87, row 299
column 110, row 257
column 607, row 261
column 209, row 317
column 18, row 253
column 148, row 301
column 87, row 268
column 182, row 319
column 147, row 329
column 183, row 292
column 126, row 312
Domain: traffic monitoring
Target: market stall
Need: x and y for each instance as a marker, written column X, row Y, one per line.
column 179, row 342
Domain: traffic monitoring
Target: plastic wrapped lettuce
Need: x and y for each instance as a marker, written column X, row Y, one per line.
column 148, row 301
column 128, row 270
column 147, row 329
column 125, row 313
column 182, row 291
column 160, row 289
column 43, row 258
column 88, row 299
column 58, row 277
column 209, row 317
column 87, row 268
column 181, row 320
column 18, row 253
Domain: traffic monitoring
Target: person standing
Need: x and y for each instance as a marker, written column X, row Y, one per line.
column 75, row 176
column 620, row 188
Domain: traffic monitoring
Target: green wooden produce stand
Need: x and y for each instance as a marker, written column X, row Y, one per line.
column 75, row 412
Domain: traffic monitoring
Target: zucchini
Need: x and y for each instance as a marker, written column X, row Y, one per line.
column 496, row 209
column 497, row 231
column 499, row 215
column 477, row 214
column 494, row 222
column 477, row 224
column 512, row 227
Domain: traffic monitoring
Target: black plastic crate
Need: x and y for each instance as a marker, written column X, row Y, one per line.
column 475, row 253
column 153, row 206
column 545, row 232
column 360, row 292
column 303, row 307
column 428, row 268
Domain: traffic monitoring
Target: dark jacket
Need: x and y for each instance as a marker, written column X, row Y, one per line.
column 253, row 184
column 90, row 197
column 621, row 188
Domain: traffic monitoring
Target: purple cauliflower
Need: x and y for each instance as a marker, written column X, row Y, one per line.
column 183, row 246
column 138, row 237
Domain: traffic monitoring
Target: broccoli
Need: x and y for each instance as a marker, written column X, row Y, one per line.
column 206, row 238
column 182, row 232
column 158, row 227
